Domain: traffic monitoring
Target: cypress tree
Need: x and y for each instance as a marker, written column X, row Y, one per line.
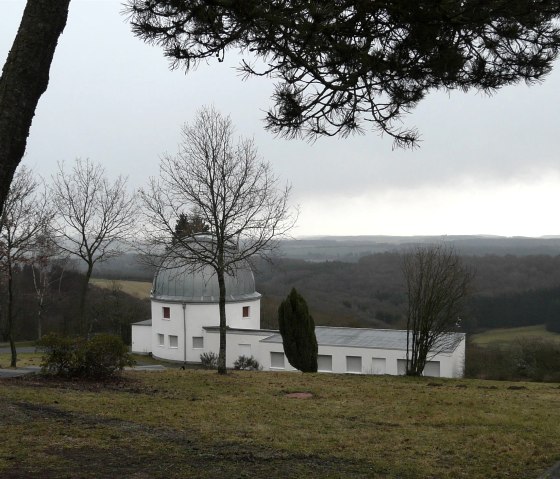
column 298, row 333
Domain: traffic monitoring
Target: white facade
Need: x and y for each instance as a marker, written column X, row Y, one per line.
column 185, row 324
column 338, row 358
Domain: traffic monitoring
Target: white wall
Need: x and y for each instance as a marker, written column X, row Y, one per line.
column 371, row 360
column 237, row 343
column 141, row 339
column 248, row 341
column 188, row 321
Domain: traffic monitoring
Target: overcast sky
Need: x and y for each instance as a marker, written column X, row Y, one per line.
column 486, row 165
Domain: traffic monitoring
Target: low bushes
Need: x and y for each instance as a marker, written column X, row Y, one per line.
column 532, row 360
column 247, row 363
column 100, row 357
column 209, row 360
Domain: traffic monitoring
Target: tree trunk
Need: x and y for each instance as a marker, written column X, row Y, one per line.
column 10, row 311
column 222, row 304
column 83, row 326
column 24, row 79
column 40, row 319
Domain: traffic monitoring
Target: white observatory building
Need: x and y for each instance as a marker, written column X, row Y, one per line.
column 185, row 323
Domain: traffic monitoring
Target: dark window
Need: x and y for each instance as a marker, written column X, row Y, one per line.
column 245, row 311
column 166, row 312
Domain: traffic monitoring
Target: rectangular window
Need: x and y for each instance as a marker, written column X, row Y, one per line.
column 431, row 369
column 324, row 362
column 198, row 342
column 378, row 366
column 173, row 341
column 353, row 364
column 166, row 312
column 401, row 367
column 245, row 311
column 277, row 360
column 161, row 340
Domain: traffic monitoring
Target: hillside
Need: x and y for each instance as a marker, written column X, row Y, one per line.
column 517, row 280
column 509, row 291
column 351, row 248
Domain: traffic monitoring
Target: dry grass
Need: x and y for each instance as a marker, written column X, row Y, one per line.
column 23, row 359
column 505, row 336
column 181, row 423
column 138, row 289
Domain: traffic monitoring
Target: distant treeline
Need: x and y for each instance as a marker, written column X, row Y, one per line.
column 508, row 290
column 110, row 311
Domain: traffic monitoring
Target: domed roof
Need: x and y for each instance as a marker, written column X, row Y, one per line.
column 199, row 284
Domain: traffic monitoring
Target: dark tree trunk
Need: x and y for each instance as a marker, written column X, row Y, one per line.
column 13, row 361
column 83, row 327
column 222, row 306
column 24, row 79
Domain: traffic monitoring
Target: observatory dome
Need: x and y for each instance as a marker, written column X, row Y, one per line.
column 199, row 284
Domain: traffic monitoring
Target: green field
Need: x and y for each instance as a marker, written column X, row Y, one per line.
column 505, row 336
column 194, row 423
column 138, row 289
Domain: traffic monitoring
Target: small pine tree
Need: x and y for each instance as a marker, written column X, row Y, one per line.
column 298, row 333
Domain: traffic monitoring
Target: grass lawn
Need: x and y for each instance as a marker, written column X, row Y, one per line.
column 194, row 423
column 505, row 336
column 23, row 360
column 138, row 289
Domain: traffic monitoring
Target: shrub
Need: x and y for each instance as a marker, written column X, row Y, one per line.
column 537, row 360
column 247, row 363
column 58, row 354
column 527, row 359
column 209, row 360
column 298, row 333
column 99, row 357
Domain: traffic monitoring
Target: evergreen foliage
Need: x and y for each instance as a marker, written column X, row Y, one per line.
column 189, row 225
column 298, row 333
column 342, row 63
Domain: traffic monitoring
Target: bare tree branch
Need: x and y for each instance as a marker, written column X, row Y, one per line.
column 94, row 217
column 235, row 193
column 24, row 215
column 437, row 283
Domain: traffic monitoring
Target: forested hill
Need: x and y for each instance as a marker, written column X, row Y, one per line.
column 508, row 290
column 350, row 248
column 517, row 279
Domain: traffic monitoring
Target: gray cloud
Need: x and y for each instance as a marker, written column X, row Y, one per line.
column 112, row 98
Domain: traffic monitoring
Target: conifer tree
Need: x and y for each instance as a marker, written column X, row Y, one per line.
column 344, row 64
column 298, row 333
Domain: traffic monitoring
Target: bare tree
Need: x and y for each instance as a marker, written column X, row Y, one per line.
column 46, row 259
column 94, row 217
column 25, row 78
column 23, row 217
column 231, row 190
column 437, row 283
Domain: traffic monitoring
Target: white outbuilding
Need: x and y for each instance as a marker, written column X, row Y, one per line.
column 185, row 324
